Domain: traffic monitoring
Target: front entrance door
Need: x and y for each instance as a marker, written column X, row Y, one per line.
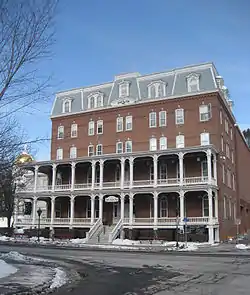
column 107, row 213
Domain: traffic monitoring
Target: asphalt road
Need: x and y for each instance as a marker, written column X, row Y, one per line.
column 114, row 273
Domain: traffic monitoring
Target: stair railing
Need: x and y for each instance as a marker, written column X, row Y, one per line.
column 94, row 229
column 115, row 231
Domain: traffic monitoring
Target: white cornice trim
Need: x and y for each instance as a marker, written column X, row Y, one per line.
column 97, row 87
column 138, row 102
column 127, row 75
column 69, row 92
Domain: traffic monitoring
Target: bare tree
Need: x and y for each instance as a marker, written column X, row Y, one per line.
column 26, row 37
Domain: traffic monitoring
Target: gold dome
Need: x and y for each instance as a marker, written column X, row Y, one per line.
column 24, row 158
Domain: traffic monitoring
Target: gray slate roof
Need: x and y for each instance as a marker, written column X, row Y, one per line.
column 174, row 80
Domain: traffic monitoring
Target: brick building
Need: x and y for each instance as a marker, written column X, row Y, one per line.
column 141, row 154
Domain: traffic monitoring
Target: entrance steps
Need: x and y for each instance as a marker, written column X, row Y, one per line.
column 103, row 236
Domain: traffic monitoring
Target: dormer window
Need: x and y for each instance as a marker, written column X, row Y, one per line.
column 95, row 100
column 193, row 82
column 124, row 89
column 156, row 89
column 67, row 106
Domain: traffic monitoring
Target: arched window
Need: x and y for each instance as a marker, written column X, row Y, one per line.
column 193, row 82
column 99, row 101
column 157, row 89
column 124, row 89
column 67, row 106
column 91, row 102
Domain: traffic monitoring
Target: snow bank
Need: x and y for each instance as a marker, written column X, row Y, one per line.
column 4, row 238
column 125, row 242
column 19, row 257
column 59, row 279
column 77, row 241
column 6, row 269
column 242, row 247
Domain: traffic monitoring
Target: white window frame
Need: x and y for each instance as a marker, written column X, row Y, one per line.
column 222, row 143
column 162, row 118
column 163, row 143
column 159, row 88
column 152, row 120
column 91, row 128
column 99, row 124
column 221, row 117
column 99, row 149
column 91, row 102
column 119, row 124
column 128, row 146
column 129, row 123
column 226, row 126
column 205, row 205
column 179, row 117
column 205, row 138
column 60, row 132
column 124, row 89
column 180, row 141
column 231, row 133
column 233, row 181
column 205, row 111
column 99, row 100
column 64, row 106
column 74, row 130
column 73, row 152
column 91, row 150
column 223, row 173
column 227, row 151
column 153, row 144
column 232, row 157
column 193, row 81
column 225, row 206
column 119, row 147
column 59, row 154
column 229, row 180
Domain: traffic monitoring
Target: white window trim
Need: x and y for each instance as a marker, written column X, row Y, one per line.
column 126, row 85
column 151, row 114
column 98, row 124
column 205, row 115
column 91, row 146
column 221, row 117
column 204, row 138
column 180, row 143
column 119, row 120
column 163, row 138
column 178, row 117
column 97, row 147
column 156, row 85
column 71, row 153
column 164, row 114
column 153, row 140
column 60, row 131
column 64, row 103
column 119, row 146
column 74, row 128
column 128, row 120
column 193, row 79
column 91, row 126
column 126, row 146
column 94, row 97
column 57, row 154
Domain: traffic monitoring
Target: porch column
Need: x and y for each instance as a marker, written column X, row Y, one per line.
column 36, row 178
column 216, row 205
column 155, row 170
column 93, row 164
column 53, row 177
column 131, row 208
column 181, row 156
column 131, row 171
column 101, row 206
column 34, row 205
column 72, row 210
column 52, row 213
column 122, row 205
column 92, row 198
column 101, row 163
column 182, row 205
column 155, row 209
column 210, row 234
column 15, row 210
column 215, row 168
column 73, row 169
column 209, row 166
column 122, row 172
column 210, row 205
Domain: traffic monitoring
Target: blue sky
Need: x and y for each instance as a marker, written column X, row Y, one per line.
column 97, row 39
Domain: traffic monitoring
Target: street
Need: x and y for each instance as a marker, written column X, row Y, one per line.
column 117, row 273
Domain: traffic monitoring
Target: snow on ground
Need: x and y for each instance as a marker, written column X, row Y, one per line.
column 59, row 279
column 242, row 247
column 19, row 257
column 6, row 269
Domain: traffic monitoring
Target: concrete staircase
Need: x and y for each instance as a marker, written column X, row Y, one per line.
column 103, row 236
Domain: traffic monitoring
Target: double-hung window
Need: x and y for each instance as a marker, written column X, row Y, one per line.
column 60, row 132
column 205, row 112
column 99, row 127
column 128, row 146
column 153, row 144
column 73, row 152
column 129, row 123
column 152, row 120
column 119, row 124
column 204, row 138
column 163, row 143
column 91, row 130
column 180, row 141
column 179, row 116
column 99, row 150
column 74, row 130
column 162, row 118
column 119, row 147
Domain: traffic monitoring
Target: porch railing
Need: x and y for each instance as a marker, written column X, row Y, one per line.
column 115, row 231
